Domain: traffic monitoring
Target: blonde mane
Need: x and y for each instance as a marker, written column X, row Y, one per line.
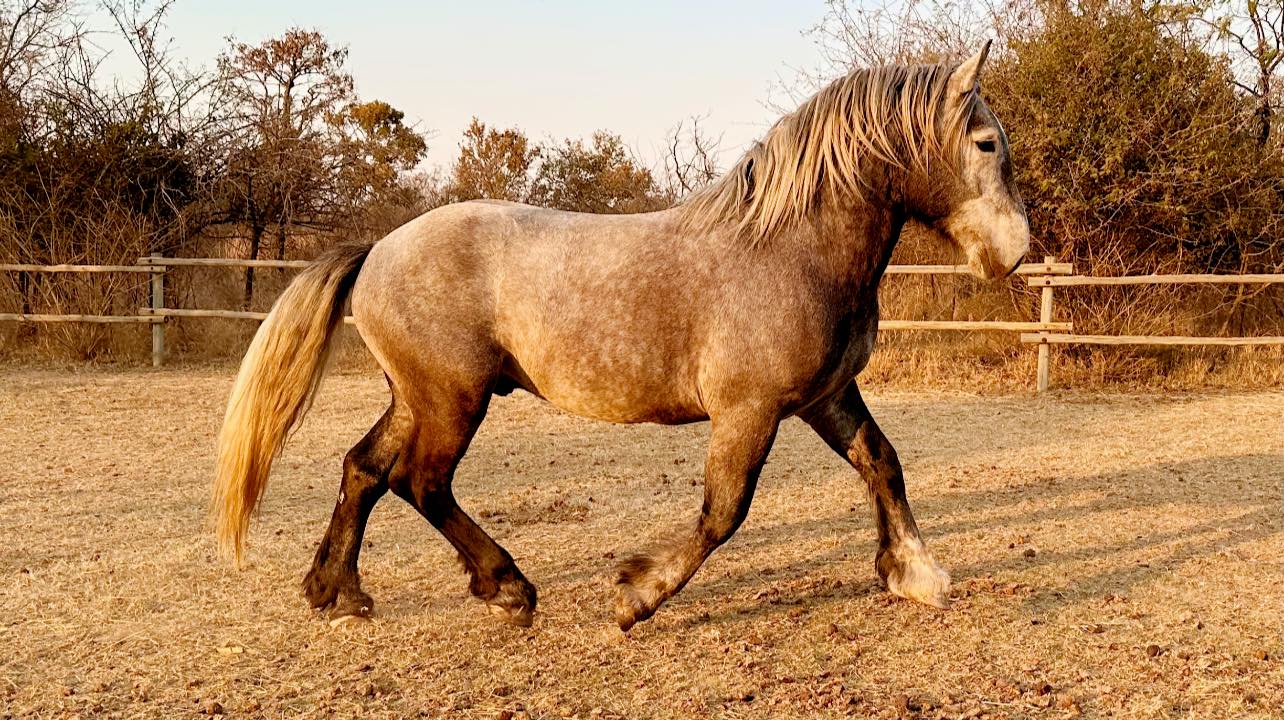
column 895, row 115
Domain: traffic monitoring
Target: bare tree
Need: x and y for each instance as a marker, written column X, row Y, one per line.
column 32, row 35
column 691, row 158
column 93, row 170
column 1253, row 36
column 854, row 34
column 283, row 89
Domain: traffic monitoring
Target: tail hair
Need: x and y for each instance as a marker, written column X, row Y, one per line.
column 275, row 386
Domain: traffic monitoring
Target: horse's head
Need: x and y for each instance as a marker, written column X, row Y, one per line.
column 975, row 203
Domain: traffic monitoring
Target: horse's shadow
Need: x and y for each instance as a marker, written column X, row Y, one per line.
column 971, row 511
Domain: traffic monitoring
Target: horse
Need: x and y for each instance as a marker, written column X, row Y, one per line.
column 753, row 301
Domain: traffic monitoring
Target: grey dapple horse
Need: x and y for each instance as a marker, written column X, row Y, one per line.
column 753, row 301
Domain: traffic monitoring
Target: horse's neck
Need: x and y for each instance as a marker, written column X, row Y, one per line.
column 855, row 237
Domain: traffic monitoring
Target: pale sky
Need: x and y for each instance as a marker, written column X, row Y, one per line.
column 557, row 68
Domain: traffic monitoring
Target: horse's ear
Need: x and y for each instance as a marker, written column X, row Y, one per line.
column 965, row 77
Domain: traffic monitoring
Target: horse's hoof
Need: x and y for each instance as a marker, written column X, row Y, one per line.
column 920, row 579
column 626, row 620
column 938, row 600
column 352, row 601
column 638, row 591
column 343, row 620
column 514, row 602
column 520, row 616
column 630, row 608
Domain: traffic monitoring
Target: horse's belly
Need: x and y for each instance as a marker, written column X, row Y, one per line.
column 622, row 389
column 621, row 408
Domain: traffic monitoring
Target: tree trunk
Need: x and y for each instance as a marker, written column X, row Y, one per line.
column 1263, row 123
column 256, row 240
column 280, row 241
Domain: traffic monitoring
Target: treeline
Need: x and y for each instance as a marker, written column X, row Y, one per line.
column 601, row 176
column 1145, row 134
column 270, row 145
column 270, row 153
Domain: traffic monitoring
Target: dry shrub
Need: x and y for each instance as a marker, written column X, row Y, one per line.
column 998, row 363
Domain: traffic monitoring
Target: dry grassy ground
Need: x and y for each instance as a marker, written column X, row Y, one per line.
column 1113, row 556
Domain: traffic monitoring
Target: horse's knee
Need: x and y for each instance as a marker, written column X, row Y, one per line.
column 364, row 471
column 718, row 526
column 872, row 453
column 361, row 487
column 427, row 494
column 367, row 465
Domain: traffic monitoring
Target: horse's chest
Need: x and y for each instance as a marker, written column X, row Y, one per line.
column 851, row 343
column 859, row 349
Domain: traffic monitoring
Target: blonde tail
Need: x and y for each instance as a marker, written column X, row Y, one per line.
column 278, row 378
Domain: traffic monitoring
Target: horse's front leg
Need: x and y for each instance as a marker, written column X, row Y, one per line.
column 903, row 562
column 737, row 449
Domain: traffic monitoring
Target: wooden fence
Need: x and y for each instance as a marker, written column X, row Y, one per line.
column 1044, row 332
column 1046, row 338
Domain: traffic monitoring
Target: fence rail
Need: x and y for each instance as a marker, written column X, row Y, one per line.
column 1154, row 280
column 1047, row 267
column 223, row 262
column 1046, row 339
column 1055, row 339
column 76, row 268
column 159, row 314
column 45, row 317
column 1044, row 332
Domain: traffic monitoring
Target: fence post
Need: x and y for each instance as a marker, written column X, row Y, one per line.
column 158, row 303
column 1045, row 316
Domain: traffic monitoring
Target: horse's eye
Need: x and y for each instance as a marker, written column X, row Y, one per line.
column 985, row 146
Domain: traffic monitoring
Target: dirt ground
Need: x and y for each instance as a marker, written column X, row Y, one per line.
column 1113, row 556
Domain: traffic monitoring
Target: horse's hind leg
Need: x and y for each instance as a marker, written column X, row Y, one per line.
column 738, row 447
column 441, row 435
column 333, row 579
column 903, row 562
